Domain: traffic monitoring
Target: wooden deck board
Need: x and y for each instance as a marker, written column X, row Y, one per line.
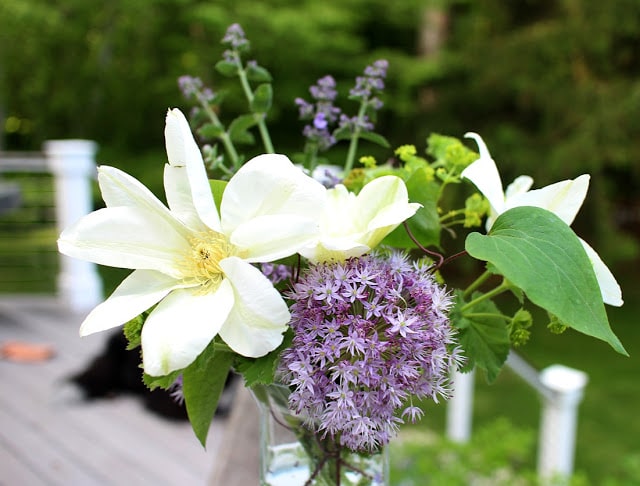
column 48, row 436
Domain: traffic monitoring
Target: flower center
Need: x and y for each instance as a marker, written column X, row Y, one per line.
column 203, row 261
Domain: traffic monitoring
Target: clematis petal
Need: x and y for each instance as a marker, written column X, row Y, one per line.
column 180, row 199
column 386, row 200
column 259, row 316
column 126, row 237
column 335, row 249
column 268, row 185
column 190, row 192
column 271, row 237
column 181, row 327
column 563, row 198
column 520, row 185
column 120, row 189
column 137, row 293
column 387, row 220
column 485, row 176
column 609, row 287
column 340, row 216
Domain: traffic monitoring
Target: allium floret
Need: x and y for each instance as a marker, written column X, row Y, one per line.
column 371, row 334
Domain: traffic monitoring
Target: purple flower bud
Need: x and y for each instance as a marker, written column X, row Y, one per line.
column 235, row 38
column 189, row 85
column 320, row 121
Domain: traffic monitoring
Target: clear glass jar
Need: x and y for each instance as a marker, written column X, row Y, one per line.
column 293, row 455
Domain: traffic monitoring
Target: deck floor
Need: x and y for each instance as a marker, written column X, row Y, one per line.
column 49, row 436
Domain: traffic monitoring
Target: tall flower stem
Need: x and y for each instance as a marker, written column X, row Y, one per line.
column 224, row 136
column 353, row 145
column 248, row 92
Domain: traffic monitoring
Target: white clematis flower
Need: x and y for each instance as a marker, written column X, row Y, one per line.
column 351, row 225
column 191, row 261
column 563, row 198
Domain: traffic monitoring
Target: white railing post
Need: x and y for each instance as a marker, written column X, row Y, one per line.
column 556, row 446
column 460, row 407
column 72, row 163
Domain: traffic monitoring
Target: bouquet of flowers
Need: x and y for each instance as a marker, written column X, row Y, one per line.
column 321, row 284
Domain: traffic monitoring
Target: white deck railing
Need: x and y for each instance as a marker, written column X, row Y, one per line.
column 560, row 389
column 72, row 164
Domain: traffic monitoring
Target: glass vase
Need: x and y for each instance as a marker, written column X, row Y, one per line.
column 293, row 455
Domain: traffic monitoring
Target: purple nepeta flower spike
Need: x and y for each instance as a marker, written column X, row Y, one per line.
column 323, row 114
column 189, row 85
column 235, row 38
column 371, row 83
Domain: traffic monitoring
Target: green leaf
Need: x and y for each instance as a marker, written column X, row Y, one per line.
column 450, row 153
column 164, row 382
column 227, row 68
column 217, row 189
column 537, row 252
column 257, row 73
column 482, row 334
column 133, row 331
column 262, row 98
column 239, row 126
column 261, row 371
column 202, row 384
column 343, row 133
column 375, row 138
column 210, row 130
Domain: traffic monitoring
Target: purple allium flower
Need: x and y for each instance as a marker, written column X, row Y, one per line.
column 276, row 273
column 370, row 334
column 175, row 390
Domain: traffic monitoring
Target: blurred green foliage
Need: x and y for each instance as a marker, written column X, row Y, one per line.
column 552, row 86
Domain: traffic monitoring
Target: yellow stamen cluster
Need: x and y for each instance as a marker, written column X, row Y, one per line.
column 203, row 263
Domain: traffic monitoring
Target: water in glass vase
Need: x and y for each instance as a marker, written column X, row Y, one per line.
column 293, row 455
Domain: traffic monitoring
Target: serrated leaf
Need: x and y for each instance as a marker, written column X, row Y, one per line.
column 262, row 98
column 164, row 382
column 227, row 68
column 202, row 384
column 133, row 331
column 536, row 251
column 375, row 138
column 483, row 337
column 261, row 371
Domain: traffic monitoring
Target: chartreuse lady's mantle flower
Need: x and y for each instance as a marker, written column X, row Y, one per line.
column 563, row 198
column 351, row 225
column 192, row 261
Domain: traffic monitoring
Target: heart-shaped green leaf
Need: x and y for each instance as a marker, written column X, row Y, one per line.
column 539, row 253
